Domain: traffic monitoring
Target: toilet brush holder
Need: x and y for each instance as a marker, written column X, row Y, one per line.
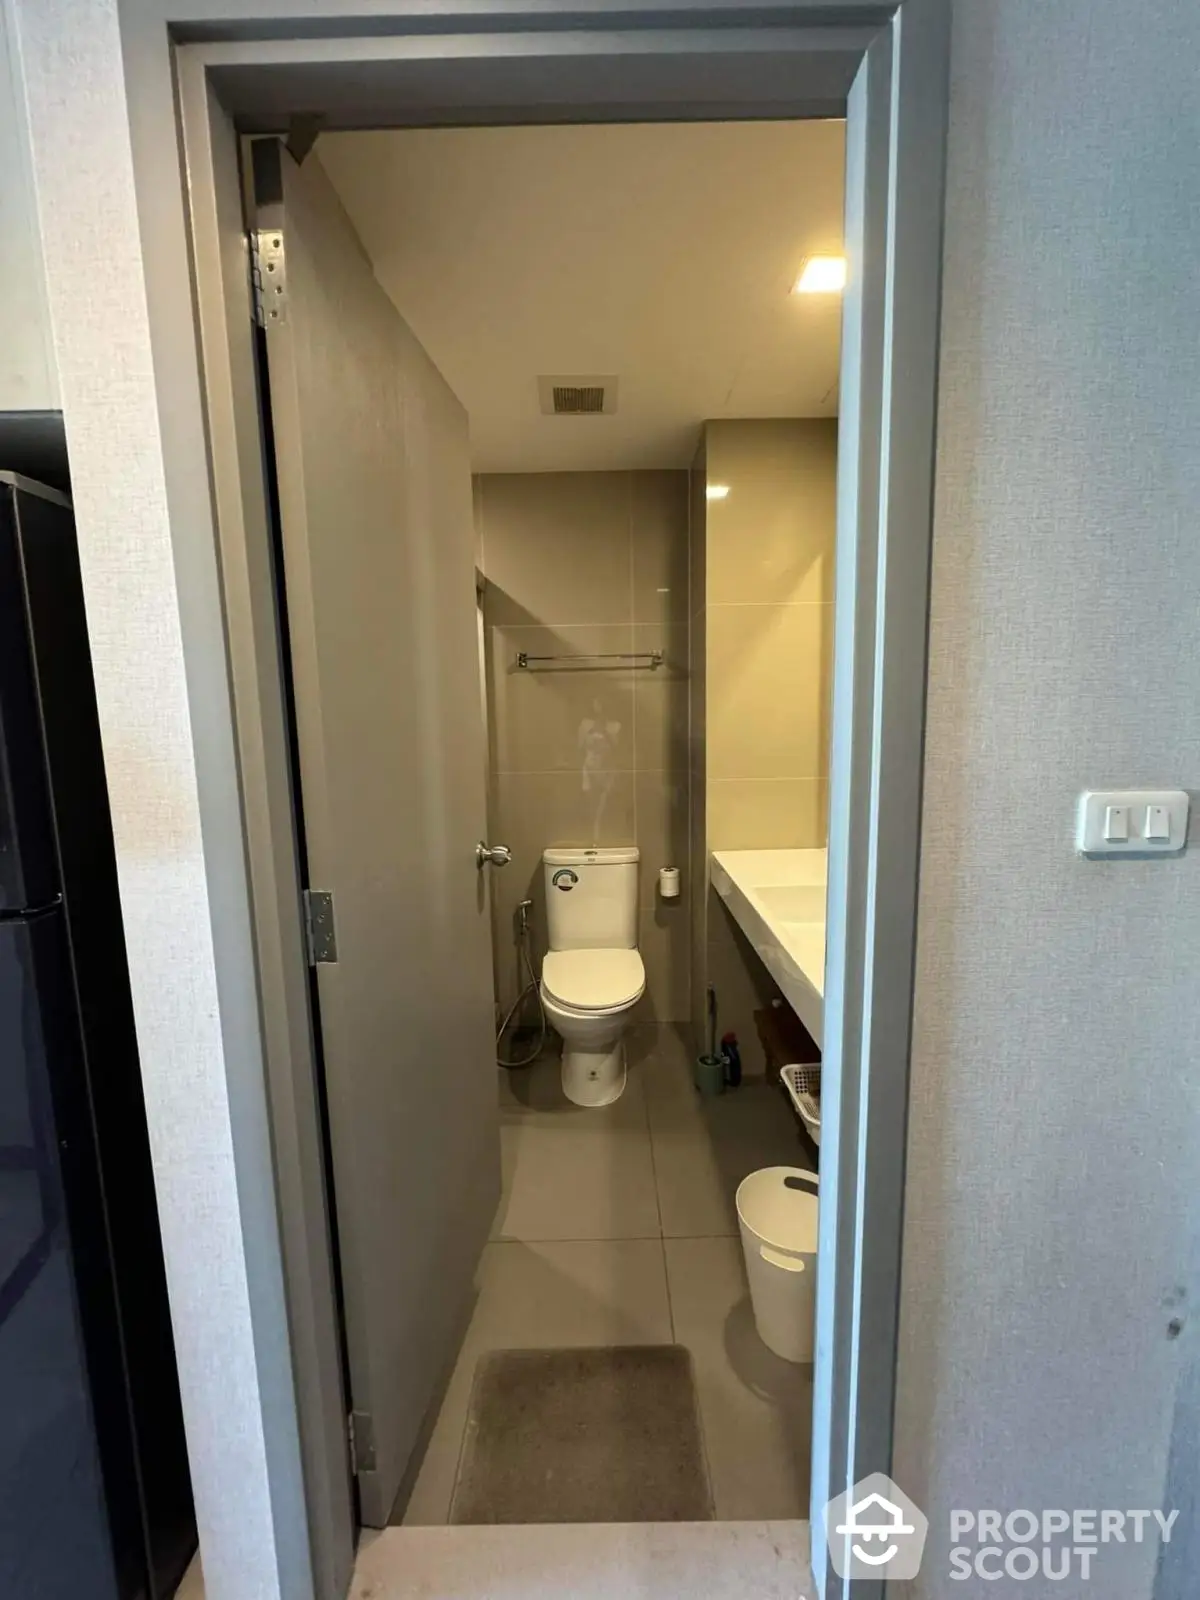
column 709, row 1074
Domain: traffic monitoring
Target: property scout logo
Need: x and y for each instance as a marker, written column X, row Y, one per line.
column 875, row 1531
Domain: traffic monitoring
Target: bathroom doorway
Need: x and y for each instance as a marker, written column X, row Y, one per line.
column 524, row 452
column 602, row 717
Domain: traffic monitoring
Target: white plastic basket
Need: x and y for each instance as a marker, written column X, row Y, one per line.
column 803, row 1085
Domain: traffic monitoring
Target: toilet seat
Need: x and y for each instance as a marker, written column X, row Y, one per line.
column 593, row 981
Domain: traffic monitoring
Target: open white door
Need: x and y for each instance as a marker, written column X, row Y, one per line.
column 378, row 578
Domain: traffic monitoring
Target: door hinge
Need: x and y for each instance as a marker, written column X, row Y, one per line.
column 320, row 934
column 268, row 276
column 360, row 1431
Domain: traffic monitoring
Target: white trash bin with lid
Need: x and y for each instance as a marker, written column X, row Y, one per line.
column 777, row 1214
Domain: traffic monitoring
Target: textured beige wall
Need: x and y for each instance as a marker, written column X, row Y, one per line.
column 762, row 649
column 587, row 563
column 1054, row 1141
column 28, row 376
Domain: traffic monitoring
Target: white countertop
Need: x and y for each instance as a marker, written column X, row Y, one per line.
column 778, row 899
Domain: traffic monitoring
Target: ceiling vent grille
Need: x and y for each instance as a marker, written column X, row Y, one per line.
column 571, row 402
column 577, row 397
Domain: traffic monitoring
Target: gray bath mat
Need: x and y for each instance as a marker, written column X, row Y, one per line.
column 599, row 1435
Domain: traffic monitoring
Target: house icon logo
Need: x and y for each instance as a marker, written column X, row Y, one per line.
column 875, row 1531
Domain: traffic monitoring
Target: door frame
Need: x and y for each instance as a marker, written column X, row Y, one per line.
column 189, row 68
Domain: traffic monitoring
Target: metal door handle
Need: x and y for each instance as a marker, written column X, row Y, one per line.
column 492, row 855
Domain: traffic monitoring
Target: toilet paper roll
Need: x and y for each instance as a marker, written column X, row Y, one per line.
column 668, row 882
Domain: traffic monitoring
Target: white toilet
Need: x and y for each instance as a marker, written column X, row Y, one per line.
column 592, row 976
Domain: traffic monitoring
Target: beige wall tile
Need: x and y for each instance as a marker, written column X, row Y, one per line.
column 779, row 814
column 552, row 717
column 572, row 559
column 698, row 888
column 698, row 967
column 825, row 708
column 660, row 698
column 663, row 943
column 772, row 538
column 659, row 519
column 697, row 811
column 664, row 927
column 534, row 810
column 553, row 808
column 697, row 523
column 760, row 664
column 520, row 880
column 477, row 514
column 508, row 967
column 697, row 690
column 767, row 710
column 698, row 829
column 662, row 827
column 698, row 852
column 558, row 547
column 768, row 444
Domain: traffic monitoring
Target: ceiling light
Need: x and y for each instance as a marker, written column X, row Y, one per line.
column 716, row 491
column 821, row 275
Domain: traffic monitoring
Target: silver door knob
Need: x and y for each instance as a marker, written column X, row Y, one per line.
column 492, row 855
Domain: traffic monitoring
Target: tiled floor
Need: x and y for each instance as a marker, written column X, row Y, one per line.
column 617, row 1226
column 638, row 1561
column 635, row 1561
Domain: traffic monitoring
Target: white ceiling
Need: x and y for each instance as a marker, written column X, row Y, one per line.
column 663, row 254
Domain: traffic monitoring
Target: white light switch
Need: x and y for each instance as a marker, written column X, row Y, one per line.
column 1132, row 822
column 1116, row 823
column 1158, row 822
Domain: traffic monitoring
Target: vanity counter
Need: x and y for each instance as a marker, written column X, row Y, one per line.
column 777, row 897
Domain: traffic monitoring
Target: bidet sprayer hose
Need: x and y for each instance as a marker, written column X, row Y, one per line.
column 525, row 960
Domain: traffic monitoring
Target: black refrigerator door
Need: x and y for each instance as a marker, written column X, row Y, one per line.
column 70, row 1518
column 29, row 872
column 70, row 735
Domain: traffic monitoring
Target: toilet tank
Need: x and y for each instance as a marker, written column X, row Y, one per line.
column 591, row 898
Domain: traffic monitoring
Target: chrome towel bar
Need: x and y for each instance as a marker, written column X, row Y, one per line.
column 647, row 658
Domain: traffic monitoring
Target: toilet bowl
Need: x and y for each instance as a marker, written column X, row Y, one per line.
column 592, row 975
column 588, row 995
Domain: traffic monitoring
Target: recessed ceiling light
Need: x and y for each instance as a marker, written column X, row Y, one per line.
column 716, row 491
column 821, row 275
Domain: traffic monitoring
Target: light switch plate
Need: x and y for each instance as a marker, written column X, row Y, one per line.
column 1095, row 807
